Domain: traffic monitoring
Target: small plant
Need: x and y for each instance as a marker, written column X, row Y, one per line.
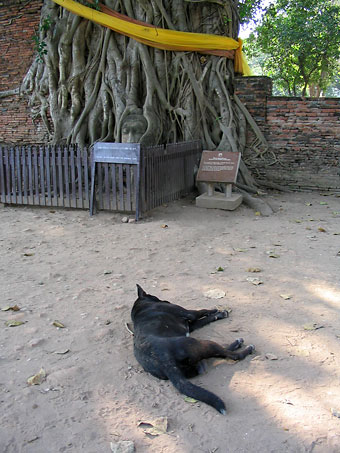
column 40, row 45
column 226, row 20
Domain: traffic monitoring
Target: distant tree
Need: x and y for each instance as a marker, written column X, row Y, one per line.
column 249, row 9
column 334, row 89
column 300, row 41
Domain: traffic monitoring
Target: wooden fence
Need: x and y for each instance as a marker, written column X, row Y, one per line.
column 60, row 176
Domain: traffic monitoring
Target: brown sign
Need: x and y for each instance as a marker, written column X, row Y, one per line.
column 219, row 166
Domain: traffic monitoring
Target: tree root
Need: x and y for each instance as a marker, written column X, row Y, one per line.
column 8, row 93
column 273, row 185
column 258, row 204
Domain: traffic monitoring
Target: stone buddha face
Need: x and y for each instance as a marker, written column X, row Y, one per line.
column 133, row 128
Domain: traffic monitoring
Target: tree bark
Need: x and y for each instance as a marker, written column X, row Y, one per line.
column 92, row 79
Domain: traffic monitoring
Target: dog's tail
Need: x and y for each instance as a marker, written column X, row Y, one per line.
column 193, row 391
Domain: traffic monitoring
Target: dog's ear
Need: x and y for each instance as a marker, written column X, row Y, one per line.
column 140, row 291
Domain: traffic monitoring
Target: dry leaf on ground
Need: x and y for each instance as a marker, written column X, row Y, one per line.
column 255, row 281
column 335, row 412
column 215, row 293
column 13, row 323
column 13, row 308
column 122, row 446
column 155, row 427
column 254, row 269
column 38, row 378
column 312, row 326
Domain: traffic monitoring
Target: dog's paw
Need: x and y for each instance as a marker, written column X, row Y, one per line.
column 221, row 314
column 240, row 342
column 250, row 348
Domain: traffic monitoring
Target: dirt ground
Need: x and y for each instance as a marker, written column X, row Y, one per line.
column 60, row 265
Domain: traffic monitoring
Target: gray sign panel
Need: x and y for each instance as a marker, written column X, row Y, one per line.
column 117, row 153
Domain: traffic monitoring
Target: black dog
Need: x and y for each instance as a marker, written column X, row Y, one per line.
column 162, row 346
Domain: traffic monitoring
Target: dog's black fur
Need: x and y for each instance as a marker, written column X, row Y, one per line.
column 163, row 347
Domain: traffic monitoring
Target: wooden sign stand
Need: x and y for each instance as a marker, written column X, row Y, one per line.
column 115, row 153
column 219, row 167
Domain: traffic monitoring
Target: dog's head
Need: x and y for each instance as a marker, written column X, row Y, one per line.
column 143, row 295
column 143, row 302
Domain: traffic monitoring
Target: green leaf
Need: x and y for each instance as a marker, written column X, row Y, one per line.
column 187, row 399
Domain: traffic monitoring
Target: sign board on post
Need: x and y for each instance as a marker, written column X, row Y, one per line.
column 115, row 153
column 219, row 166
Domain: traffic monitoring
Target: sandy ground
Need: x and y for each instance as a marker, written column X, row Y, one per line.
column 60, row 265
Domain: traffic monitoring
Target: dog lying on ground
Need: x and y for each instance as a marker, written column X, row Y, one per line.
column 163, row 347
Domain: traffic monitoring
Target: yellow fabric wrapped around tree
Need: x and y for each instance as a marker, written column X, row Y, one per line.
column 162, row 38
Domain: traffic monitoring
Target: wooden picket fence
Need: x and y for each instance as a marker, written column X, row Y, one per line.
column 44, row 176
column 60, row 176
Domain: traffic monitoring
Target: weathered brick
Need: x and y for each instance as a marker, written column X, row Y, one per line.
column 18, row 20
column 304, row 134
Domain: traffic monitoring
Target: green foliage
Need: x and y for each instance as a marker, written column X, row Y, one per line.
column 299, row 41
column 93, row 4
column 40, row 45
column 248, row 9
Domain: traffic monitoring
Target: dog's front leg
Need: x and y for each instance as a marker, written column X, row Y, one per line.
column 211, row 316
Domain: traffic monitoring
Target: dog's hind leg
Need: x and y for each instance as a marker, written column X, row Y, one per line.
column 235, row 344
column 192, row 351
column 239, row 355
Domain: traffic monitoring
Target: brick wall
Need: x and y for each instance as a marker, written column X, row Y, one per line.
column 303, row 135
column 18, row 20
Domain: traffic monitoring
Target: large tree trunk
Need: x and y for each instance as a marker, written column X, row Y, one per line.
column 95, row 84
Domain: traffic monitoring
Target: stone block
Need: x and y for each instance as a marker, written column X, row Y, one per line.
column 219, row 201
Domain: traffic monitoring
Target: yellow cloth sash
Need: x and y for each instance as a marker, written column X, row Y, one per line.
column 162, row 38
